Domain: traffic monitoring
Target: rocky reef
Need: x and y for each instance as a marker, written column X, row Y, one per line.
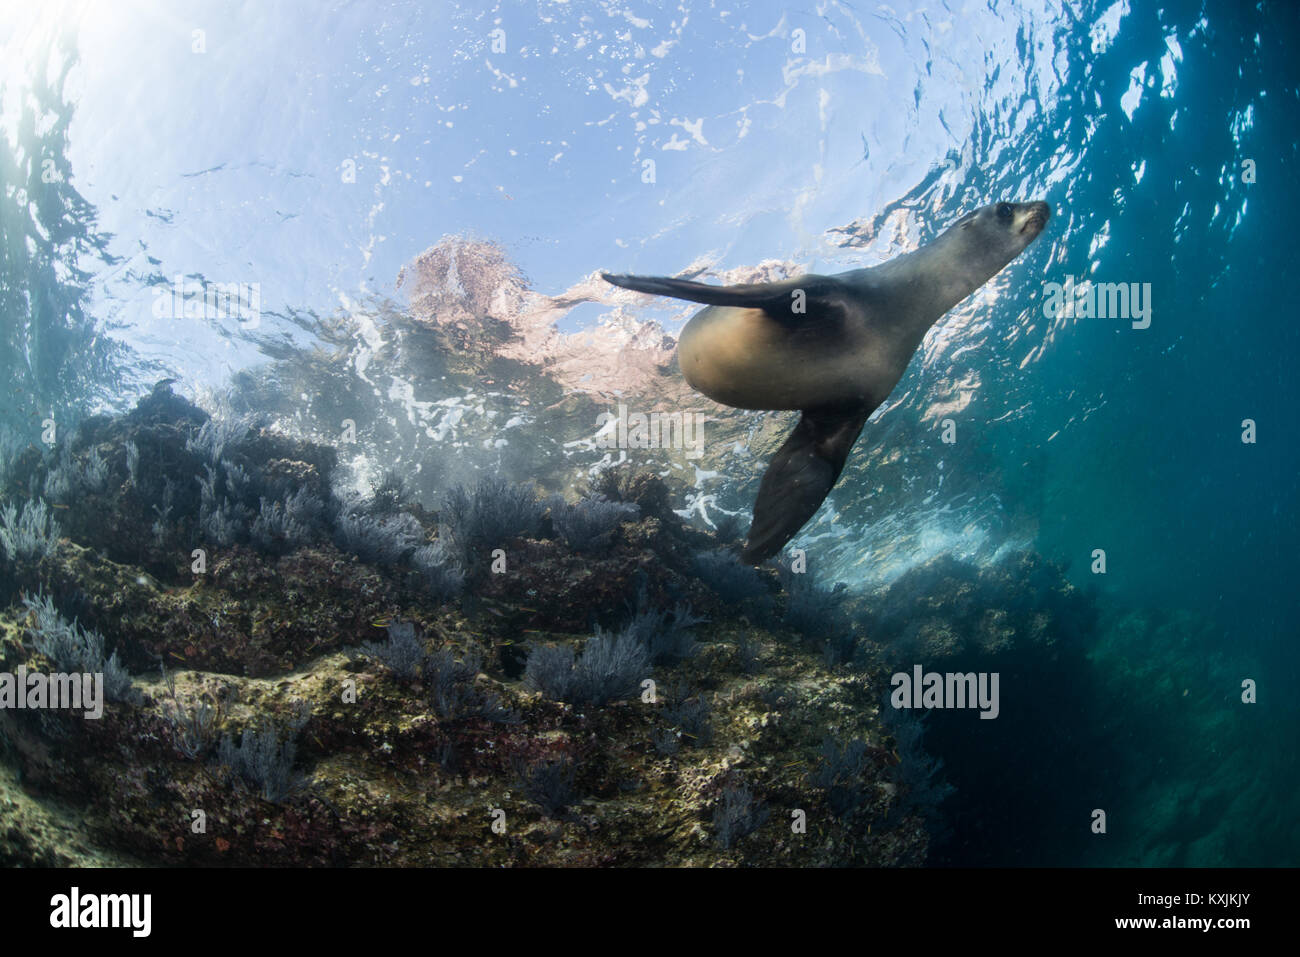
column 296, row 673
column 502, row 677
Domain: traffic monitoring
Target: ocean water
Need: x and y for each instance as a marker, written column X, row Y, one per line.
column 366, row 239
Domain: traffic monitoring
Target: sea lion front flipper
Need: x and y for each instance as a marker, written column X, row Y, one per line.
column 801, row 475
column 821, row 296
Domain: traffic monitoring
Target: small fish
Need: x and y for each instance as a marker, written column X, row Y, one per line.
column 60, row 506
column 176, row 656
column 381, row 622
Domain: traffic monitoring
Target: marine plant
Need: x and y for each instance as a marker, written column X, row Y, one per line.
column 549, row 671
column 402, row 653
column 839, row 774
column 388, row 494
column 917, row 774
column 12, row 445
column 811, row 608
column 475, row 520
column 218, row 433
column 66, row 478
column 735, row 582
column 611, row 667
column 76, row 649
column 263, row 760
column 689, row 716
column 548, row 783
column 31, row 534
column 223, row 516
column 194, row 726
column 378, row 541
column 450, row 684
column 443, row 578
column 737, row 814
column 589, row 523
column 665, row 635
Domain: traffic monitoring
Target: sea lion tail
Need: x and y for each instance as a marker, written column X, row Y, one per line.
column 753, row 295
column 791, row 302
column 801, row 475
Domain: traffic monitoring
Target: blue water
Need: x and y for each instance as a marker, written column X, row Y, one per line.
column 314, row 151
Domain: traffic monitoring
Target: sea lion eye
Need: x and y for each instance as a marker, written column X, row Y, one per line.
column 1004, row 210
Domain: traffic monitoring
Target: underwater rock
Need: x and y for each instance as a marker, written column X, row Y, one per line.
column 678, row 740
column 946, row 609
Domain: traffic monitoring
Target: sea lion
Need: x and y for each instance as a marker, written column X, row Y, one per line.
column 832, row 347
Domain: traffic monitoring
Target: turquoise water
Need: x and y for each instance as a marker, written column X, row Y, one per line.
column 313, row 152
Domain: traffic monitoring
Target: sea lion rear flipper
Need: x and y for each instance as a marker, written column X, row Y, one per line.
column 801, row 475
column 821, row 295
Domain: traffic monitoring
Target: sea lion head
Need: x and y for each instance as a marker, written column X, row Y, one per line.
column 990, row 237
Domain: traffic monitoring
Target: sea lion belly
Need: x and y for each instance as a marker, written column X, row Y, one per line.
column 746, row 359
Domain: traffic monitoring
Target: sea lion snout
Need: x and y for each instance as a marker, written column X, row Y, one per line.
column 1036, row 216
